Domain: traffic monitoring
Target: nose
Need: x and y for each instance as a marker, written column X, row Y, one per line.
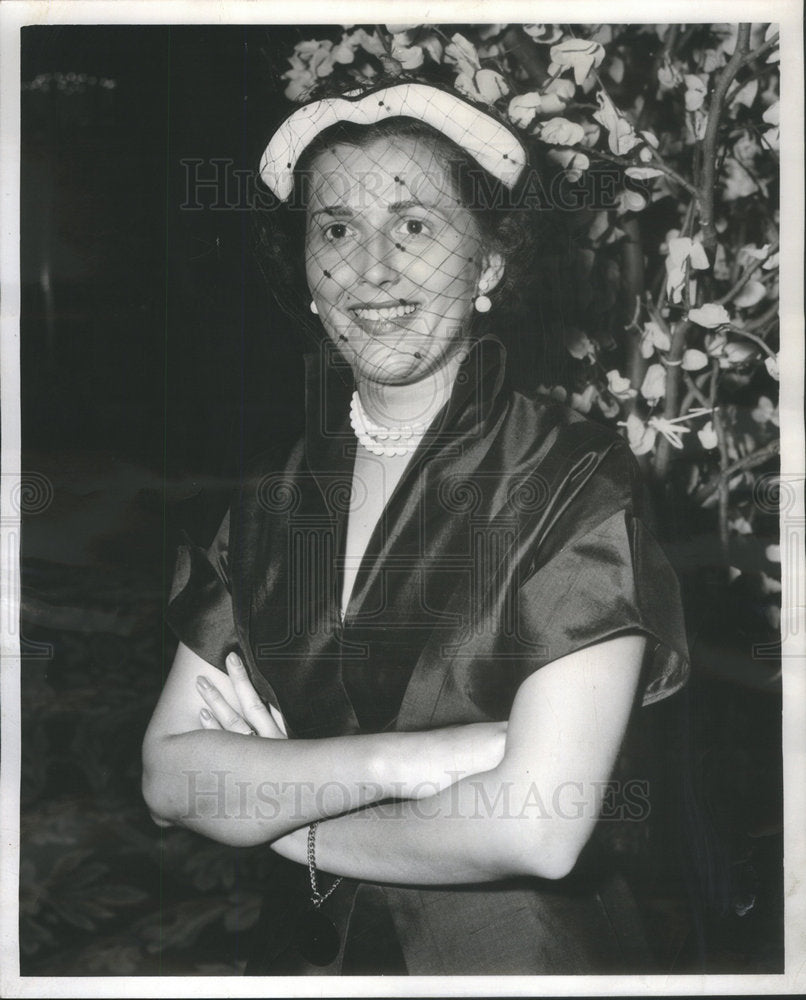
column 378, row 259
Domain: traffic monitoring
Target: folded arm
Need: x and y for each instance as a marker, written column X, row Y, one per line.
column 244, row 789
column 530, row 815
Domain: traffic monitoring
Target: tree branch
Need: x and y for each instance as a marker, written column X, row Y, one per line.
column 731, row 294
column 751, row 461
column 709, row 142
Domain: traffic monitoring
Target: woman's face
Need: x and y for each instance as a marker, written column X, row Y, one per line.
column 393, row 261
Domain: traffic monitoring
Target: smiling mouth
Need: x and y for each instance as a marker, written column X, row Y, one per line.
column 383, row 314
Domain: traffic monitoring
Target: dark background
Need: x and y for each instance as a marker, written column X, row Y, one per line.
column 154, row 361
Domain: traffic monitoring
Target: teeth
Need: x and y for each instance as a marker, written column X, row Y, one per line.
column 392, row 312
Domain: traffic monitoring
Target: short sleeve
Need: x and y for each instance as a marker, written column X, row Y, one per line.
column 200, row 605
column 612, row 579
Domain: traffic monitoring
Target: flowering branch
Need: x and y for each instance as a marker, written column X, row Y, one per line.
column 731, row 294
column 709, row 144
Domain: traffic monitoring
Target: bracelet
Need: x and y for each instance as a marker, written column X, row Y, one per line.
column 317, row 898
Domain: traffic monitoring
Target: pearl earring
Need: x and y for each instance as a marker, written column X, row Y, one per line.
column 314, row 310
column 482, row 304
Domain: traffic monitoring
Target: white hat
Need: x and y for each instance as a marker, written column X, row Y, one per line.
column 491, row 143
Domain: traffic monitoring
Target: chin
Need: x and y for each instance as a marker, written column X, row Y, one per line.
column 383, row 365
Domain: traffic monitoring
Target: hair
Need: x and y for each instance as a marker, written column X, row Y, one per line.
column 527, row 239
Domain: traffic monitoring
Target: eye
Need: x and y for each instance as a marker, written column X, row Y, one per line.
column 414, row 227
column 335, row 231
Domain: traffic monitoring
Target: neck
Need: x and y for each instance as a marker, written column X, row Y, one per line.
column 393, row 405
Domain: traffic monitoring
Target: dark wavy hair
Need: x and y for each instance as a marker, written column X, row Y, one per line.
column 526, row 235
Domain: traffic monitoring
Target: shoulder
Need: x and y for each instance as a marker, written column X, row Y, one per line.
column 542, row 425
column 582, row 471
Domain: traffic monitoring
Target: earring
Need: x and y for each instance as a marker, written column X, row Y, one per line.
column 482, row 304
column 314, row 310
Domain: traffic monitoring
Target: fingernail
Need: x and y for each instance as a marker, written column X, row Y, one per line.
column 234, row 660
column 205, row 715
column 202, row 682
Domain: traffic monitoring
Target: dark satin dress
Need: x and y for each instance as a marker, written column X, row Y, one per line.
column 515, row 536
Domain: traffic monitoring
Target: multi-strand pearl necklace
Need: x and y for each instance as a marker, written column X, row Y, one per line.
column 381, row 440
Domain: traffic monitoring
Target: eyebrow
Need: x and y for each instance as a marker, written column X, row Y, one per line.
column 341, row 212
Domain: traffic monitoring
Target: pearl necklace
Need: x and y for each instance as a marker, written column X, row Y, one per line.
column 381, row 440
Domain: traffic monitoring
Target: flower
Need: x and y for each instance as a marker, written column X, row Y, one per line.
column 746, row 95
column 491, row 85
column 750, row 252
column 615, row 69
column 630, row 201
column 654, row 338
column 735, row 353
column 709, row 315
column 583, row 401
column 433, row 46
column 670, row 429
column 669, row 76
column 643, row 173
column 641, row 438
column 765, row 412
column 715, row 343
column 564, row 89
column 771, row 364
column 479, row 84
column 370, row 43
column 711, row 59
column 546, row 34
column 736, row 181
column 696, row 90
column 772, row 116
column 618, row 385
column 561, row 132
column 484, row 85
column 746, row 148
column 699, row 124
column 694, row 360
column 752, row 293
column 653, row 387
column 577, row 54
column 310, row 61
column 579, row 344
column 609, row 407
column 572, row 162
column 682, row 249
column 772, row 137
column 621, row 137
column 707, row 436
column 592, row 133
column 399, row 29
column 462, row 54
column 409, row 56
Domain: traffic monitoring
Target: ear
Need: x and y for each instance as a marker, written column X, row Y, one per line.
column 492, row 271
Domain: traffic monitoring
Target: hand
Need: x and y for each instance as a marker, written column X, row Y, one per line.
column 249, row 717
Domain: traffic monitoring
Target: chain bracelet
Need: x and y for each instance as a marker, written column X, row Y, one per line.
column 317, row 898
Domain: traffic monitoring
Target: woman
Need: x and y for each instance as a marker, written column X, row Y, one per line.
column 438, row 612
